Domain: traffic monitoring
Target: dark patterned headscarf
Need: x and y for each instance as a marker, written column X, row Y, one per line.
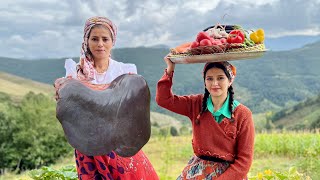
column 85, row 67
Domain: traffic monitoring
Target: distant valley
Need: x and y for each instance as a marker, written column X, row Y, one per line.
column 277, row 80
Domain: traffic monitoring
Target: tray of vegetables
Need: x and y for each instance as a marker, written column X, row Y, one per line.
column 220, row 43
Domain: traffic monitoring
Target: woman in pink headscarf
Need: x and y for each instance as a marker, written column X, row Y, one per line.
column 97, row 67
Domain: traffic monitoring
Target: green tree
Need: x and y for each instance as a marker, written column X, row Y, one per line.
column 315, row 124
column 34, row 136
column 174, row 131
column 164, row 131
column 269, row 124
column 184, row 130
column 4, row 97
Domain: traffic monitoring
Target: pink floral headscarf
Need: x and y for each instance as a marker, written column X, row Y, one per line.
column 85, row 68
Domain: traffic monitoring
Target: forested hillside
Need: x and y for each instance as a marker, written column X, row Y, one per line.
column 304, row 115
column 276, row 80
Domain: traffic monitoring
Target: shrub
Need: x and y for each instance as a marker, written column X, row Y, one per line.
column 184, row 130
column 173, row 131
column 33, row 135
column 164, row 131
column 292, row 173
column 47, row 173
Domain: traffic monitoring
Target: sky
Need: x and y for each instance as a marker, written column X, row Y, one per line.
column 33, row 29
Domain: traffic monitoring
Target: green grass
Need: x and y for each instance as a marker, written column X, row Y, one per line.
column 278, row 152
column 169, row 155
column 288, row 144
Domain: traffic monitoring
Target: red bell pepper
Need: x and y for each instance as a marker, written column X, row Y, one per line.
column 236, row 36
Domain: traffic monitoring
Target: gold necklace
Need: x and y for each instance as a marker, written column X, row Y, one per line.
column 100, row 77
column 103, row 70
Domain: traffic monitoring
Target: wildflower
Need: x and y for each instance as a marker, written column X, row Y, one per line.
column 260, row 176
column 268, row 172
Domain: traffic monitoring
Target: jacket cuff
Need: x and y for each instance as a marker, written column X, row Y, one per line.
column 168, row 74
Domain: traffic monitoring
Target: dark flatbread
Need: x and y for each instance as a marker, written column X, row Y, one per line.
column 96, row 122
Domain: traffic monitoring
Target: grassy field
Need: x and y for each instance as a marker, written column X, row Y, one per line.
column 273, row 153
column 18, row 87
column 277, row 152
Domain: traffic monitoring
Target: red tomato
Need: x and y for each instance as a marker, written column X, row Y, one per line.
column 212, row 40
column 205, row 42
column 201, row 36
column 223, row 40
column 194, row 44
column 216, row 42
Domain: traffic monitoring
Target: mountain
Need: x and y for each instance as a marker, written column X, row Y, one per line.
column 14, row 88
column 304, row 115
column 282, row 78
column 285, row 43
column 160, row 46
column 276, row 80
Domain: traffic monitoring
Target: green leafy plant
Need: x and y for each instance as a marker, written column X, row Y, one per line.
column 47, row 173
column 291, row 174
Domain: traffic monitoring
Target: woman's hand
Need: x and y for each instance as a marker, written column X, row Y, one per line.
column 170, row 64
column 58, row 84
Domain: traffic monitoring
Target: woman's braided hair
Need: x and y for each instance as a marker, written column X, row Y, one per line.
column 206, row 92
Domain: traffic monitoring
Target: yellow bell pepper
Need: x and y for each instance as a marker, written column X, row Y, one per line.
column 257, row 36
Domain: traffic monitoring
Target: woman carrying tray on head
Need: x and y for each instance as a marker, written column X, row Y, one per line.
column 223, row 129
column 97, row 67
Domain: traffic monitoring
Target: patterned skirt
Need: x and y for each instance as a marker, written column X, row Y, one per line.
column 114, row 167
column 199, row 169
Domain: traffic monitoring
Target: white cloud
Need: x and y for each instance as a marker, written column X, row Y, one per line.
column 201, row 6
column 306, row 32
column 17, row 39
column 53, row 28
